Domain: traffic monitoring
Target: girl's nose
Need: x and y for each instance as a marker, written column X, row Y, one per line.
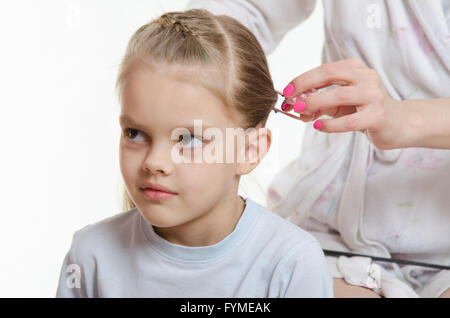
column 158, row 160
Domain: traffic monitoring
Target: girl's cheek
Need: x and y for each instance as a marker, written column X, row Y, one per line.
column 194, row 175
column 130, row 162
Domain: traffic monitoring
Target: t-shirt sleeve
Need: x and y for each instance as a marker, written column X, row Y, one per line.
column 269, row 20
column 304, row 273
column 75, row 279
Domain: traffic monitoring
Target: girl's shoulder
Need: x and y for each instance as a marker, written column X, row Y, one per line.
column 281, row 231
column 286, row 245
column 107, row 232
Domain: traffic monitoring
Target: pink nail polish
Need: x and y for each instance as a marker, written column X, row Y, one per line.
column 286, row 107
column 288, row 90
column 318, row 125
column 300, row 106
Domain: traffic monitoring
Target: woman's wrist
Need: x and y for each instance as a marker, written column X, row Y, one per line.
column 400, row 128
column 424, row 123
column 411, row 124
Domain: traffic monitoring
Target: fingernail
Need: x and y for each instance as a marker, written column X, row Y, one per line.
column 300, row 106
column 288, row 90
column 286, row 107
column 318, row 125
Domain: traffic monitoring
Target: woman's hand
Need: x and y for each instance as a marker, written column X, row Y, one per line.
column 361, row 103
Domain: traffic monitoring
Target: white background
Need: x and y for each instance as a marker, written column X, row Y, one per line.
column 59, row 128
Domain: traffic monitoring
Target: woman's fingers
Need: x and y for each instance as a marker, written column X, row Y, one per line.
column 352, row 122
column 310, row 117
column 359, row 104
column 306, row 118
column 342, row 72
column 339, row 96
column 341, row 111
column 332, row 112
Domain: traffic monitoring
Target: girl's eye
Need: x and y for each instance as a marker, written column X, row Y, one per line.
column 130, row 133
column 186, row 140
column 190, row 140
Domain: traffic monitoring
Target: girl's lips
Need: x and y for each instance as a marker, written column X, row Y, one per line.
column 157, row 195
column 157, row 187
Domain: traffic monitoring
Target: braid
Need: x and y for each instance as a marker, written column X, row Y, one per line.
column 167, row 20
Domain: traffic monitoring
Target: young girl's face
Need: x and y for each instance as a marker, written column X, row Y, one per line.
column 153, row 106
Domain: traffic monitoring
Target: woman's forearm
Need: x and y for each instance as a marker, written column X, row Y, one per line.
column 426, row 123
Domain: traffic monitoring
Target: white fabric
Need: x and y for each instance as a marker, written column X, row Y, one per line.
column 381, row 202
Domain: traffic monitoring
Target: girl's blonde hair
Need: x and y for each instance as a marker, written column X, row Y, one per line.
column 215, row 51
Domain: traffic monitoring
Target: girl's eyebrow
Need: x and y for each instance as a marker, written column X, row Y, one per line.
column 125, row 119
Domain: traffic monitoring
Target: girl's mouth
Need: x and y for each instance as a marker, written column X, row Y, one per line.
column 157, row 195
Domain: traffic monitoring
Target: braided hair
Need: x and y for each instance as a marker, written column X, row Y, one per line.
column 167, row 21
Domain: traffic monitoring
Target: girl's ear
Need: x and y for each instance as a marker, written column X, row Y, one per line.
column 257, row 147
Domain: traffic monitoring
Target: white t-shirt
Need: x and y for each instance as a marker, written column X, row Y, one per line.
column 264, row 256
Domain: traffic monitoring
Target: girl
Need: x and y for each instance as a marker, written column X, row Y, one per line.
column 186, row 232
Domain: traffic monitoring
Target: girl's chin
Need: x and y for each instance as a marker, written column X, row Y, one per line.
column 154, row 218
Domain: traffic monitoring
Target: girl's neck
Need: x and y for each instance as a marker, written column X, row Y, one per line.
column 210, row 228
